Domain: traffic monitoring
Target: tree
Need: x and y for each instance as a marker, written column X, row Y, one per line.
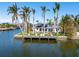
column 44, row 10
column 76, row 18
column 29, row 24
column 68, row 26
column 14, row 11
column 56, row 10
column 25, row 14
column 33, row 12
column 23, row 17
column 49, row 21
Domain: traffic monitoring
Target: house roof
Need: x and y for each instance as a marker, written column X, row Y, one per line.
column 40, row 25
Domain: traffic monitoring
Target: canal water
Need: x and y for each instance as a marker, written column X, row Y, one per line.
column 11, row 47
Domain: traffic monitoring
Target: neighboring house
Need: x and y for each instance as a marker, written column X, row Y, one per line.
column 48, row 28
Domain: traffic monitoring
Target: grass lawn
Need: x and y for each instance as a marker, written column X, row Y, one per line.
column 41, row 34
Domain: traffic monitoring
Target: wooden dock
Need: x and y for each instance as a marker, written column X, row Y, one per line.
column 41, row 37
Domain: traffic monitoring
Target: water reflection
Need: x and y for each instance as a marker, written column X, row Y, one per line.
column 68, row 48
column 43, row 48
column 9, row 46
column 76, row 42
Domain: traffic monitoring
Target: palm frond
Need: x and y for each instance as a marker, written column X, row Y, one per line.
column 57, row 6
column 54, row 10
column 33, row 10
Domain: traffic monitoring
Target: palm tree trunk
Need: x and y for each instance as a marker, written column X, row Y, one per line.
column 17, row 23
column 54, row 24
column 33, row 25
column 44, row 23
column 13, row 19
column 29, row 23
column 57, row 23
column 23, row 26
column 26, row 23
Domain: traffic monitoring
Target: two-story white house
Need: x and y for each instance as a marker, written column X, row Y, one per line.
column 48, row 28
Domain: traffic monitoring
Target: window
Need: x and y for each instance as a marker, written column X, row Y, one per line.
column 45, row 29
column 40, row 29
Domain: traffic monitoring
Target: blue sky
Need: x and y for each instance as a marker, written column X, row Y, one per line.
column 65, row 8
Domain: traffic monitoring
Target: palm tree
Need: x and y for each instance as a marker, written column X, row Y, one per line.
column 62, row 24
column 25, row 14
column 68, row 26
column 76, row 18
column 56, row 10
column 29, row 27
column 57, row 6
column 14, row 11
column 23, row 17
column 33, row 11
column 49, row 21
column 44, row 10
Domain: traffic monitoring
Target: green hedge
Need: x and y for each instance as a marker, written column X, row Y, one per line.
column 7, row 25
column 58, row 34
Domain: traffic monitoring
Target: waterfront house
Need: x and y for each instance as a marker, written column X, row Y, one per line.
column 48, row 28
